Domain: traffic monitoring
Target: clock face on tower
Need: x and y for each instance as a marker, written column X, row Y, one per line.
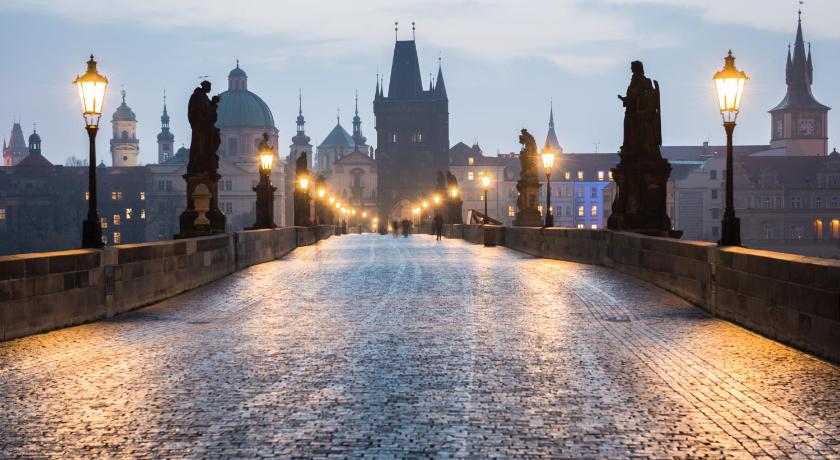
column 806, row 128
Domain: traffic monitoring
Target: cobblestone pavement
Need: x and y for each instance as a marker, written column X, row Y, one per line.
column 380, row 347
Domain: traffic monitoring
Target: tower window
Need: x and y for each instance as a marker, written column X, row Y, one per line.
column 127, row 213
column 2, row 213
column 470, row 161
column 394, row 138
column 142, row 196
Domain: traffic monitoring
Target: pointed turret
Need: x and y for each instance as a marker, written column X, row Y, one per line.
column 405, row 80
column 376, row 94
column 358, row 139
column 300, row 138
column 440, row 86
column 165, row 139
column 799, row 123
column 551, row 141
column 788, row 67
column 16, row 150
column 798, row 76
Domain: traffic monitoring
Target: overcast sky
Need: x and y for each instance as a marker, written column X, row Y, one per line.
column 502, row 60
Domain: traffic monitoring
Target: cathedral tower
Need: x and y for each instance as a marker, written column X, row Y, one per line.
column 16, row 150
column 165, row 139
column 799, row 122
column 412, row 134
column 125, row 148
column 551, row 138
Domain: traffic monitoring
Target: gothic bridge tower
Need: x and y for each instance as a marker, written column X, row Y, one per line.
column 412, row 133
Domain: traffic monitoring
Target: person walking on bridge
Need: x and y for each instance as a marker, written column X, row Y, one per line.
column 406, row 227
column 395, row 227
column 438, row 225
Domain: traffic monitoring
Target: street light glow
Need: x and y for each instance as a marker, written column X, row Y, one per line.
column 729, row 84
column 485, row 181
column 91, row 87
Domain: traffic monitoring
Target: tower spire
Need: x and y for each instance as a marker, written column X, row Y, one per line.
column 440, row 86
column 358, row 139
column 396, row 31
column 551, row 141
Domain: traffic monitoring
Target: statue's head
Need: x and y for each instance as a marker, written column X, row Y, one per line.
column 637, row 67
column 205, row 86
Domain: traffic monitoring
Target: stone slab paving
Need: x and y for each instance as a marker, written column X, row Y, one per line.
column 370, row 346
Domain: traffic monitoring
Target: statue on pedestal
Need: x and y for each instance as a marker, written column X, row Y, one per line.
column 203, row 164
column 301, row 196
column 528, row 184
column 642, row 174
column 454, row 201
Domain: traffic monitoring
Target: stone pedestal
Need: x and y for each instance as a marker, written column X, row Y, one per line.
column 302, row 208
column 264, row 208
column 640, row 205
column 188, row 227
column 528, row 214
column 455, row 211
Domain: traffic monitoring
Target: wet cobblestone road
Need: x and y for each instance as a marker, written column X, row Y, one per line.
column 380, row 347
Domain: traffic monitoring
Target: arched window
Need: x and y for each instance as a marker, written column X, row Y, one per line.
column 125, row 135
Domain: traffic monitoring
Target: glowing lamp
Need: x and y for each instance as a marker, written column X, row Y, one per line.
column 453, row 191
column 303, row 182
column 729, row 84
column 485, row 181
column 548, row 160
column 91, row 87
column 436, row 199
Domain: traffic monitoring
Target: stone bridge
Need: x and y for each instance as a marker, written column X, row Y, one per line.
column 375, row 346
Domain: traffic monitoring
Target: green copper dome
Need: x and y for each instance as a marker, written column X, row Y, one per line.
column 240, row 108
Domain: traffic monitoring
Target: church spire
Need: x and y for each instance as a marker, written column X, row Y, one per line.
column 551, row 141
column 358, row 138
column 300, row 139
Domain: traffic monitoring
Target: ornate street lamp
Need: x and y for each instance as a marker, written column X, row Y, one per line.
column 548, row 163
column 265, row 191
column 453, row 192
column 91, row 88
column 321, row 193
column 485, row 183
column 729, row 84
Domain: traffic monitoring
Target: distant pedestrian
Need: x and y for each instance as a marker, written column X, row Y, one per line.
column 395, row 227
column 343, row 227
column 437, row 222
column 406, row 227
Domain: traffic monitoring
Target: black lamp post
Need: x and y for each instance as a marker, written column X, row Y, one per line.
column 485, row 183
column 265, row 191
column 91, row 87
column 729, row 84
column 548, row 163
column 321, row 190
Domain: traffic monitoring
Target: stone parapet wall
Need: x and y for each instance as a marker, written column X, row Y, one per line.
column 790, row 298
column 46, row 291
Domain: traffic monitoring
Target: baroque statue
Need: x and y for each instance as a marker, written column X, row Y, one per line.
column 528, row 185
column 642, row 174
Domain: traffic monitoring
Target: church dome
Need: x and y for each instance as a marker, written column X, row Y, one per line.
column 124, row 112
column 240, row 108
column 34, row 138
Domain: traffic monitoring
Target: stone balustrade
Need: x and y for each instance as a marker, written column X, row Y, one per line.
column 45, row 291
column 790, row 298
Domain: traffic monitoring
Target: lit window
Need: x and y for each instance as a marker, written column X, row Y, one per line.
column 394, row 138
column 87, row 196
column 116, row 196
column 2, row 213
column 116, row 219
column 481, row 197
column 470, row 175
column 594, row 211
column 511, row 212
column 594, row 226
column 103, row 222
column 580, row 175
column 579, row 225
column 818, row 229
column 117, row 237
column 470, row 161
column 142, row 196
column 127, row 213
column 609, row 174
column 104, row 239
column 835, row 229
column 142, row 213
column 580, row 211
column 567, row 175
column 419, row 137
column 540, row 209
column 600, row 175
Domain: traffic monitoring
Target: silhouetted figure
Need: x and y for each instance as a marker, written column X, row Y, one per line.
column 205, row 141
column 438, row 224
column 642, row 174
column 395, row 227
column 343, row 227
column 406, row 227
column 528, row 185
